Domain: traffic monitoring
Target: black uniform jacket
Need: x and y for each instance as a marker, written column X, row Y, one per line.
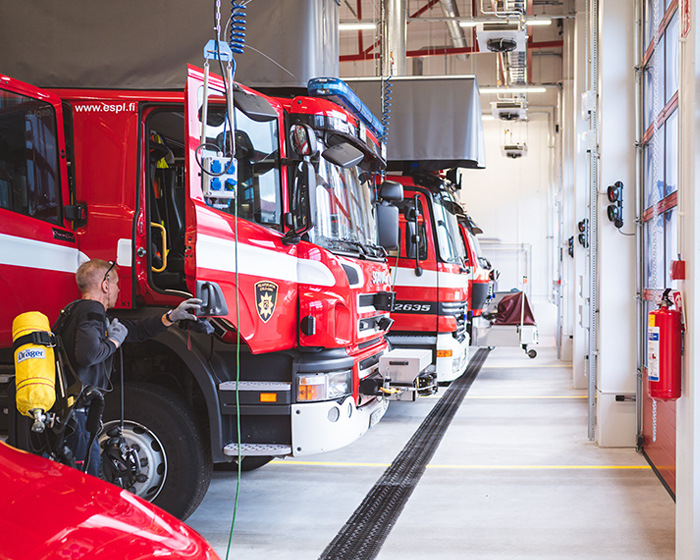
column 84, row 336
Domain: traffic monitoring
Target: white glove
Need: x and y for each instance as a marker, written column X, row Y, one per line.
column 117, row 332
column 186, row 310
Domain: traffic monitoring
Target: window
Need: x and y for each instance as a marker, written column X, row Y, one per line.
column 660, row 144
column 450, row 242
column 29, row 170
column 257, row 155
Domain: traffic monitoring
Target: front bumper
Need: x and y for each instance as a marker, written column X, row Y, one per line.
column 325, row 426
column 452, row 366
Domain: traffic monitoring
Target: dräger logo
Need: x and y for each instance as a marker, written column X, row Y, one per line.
column 31, row 353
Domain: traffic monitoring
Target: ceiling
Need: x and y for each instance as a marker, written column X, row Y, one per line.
column 437, row 45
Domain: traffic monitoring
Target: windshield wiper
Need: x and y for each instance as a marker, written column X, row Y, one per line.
column 362, row 249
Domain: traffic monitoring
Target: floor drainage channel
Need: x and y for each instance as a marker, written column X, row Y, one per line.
column 363, row 535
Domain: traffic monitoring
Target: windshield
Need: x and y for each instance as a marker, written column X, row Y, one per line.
column 344, row 212
column 475, row 243
column 450, row 242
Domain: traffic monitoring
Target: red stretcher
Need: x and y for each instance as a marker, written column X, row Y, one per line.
column 508, row 321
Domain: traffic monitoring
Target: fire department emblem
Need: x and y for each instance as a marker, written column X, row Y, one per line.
column 265, row 300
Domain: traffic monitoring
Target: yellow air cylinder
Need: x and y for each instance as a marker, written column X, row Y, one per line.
column 35, row 366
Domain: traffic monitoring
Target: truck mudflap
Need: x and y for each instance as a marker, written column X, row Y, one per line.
column 324, row 426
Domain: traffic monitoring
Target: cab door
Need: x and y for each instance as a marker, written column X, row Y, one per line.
column 415, row 272
column 38, row 249
column 235, row 255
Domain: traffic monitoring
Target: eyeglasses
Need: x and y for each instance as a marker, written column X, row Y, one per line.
column 111, row 266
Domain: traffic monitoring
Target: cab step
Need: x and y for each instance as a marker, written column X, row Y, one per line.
column 258, row 449
column 263, row 386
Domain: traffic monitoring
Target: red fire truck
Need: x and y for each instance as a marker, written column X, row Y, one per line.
column 292, row 271
column 483, row 274
column 430, row 276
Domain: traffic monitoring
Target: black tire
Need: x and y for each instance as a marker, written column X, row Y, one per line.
column 249, row 463
column 532, row 354
column 177, row 460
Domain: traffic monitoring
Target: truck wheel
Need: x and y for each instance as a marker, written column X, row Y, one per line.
column 172, row 453
column 532, row 353
column 249, row 463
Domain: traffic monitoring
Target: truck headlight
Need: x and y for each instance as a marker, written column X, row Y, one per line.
column 324, row 386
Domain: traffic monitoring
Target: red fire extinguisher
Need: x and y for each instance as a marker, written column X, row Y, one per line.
column 664, row 351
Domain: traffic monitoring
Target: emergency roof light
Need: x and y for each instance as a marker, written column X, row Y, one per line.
column 339, row 92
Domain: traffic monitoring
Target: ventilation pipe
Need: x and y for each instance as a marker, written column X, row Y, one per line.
column 394, row 37
column 449, row 8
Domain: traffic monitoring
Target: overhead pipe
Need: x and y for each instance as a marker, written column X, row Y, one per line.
column 441, row 51
column 394, row 24
column 459, row 40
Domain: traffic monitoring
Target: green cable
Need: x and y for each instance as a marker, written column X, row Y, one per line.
column 238, row 372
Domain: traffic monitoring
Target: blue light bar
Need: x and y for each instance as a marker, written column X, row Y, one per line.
column 339, row 92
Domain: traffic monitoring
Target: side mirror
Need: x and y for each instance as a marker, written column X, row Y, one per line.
column 391, row 191
column 303, row 140
column 454, row 177
column 301, row 218
column 343, row 155
column 388, row 225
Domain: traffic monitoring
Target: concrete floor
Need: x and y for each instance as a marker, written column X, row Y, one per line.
column 515, row 477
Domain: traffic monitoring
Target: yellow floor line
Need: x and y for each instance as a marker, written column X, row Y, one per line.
column 541, row 467
column 327, row 464
column 466, row 467
column 531, row 366
column 522, row 397
column 526, row 397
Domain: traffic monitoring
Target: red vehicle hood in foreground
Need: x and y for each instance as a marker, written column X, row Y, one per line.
column 48, row 510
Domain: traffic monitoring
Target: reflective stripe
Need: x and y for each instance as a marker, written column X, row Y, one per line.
column 30, row 253
column 429, row 279
column 215, row 253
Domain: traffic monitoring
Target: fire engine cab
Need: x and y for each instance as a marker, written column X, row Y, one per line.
column 279, row 239
column 430, row 276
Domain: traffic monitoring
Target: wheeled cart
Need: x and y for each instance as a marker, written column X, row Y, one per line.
column 508, row 321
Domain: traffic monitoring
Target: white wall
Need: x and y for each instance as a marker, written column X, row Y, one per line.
column 512, row 202
column 688, row 407
column 617, row 360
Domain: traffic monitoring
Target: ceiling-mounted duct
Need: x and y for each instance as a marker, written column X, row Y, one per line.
column 459, row 41
column 394, row 42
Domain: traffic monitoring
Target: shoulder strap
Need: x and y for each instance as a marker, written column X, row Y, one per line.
column 63, row 317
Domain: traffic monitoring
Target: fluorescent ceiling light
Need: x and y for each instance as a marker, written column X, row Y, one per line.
column 356, row 26
column 517, row 89
column 529, row 21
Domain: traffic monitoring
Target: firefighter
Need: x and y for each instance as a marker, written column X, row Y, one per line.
column 91, row 339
